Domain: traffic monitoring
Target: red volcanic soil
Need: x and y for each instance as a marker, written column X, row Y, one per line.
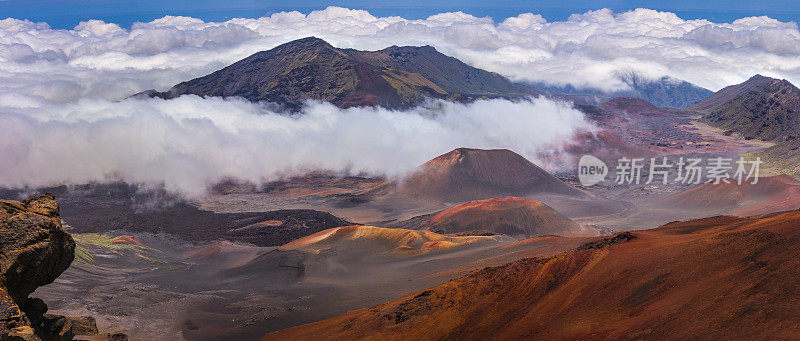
column 602, row 144
column 126, row 240
column 468, row 174
column 216, row 250
column 507, row 215
column 372, row 241
column 715, row 278
column 770, row 194
column 267, row 223
column 360, row 100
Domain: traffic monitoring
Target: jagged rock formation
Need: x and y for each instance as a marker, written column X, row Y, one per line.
column 310, row 68
column 34, row 250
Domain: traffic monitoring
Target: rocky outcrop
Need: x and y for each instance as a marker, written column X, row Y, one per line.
column 34, row 250
column 68, row 326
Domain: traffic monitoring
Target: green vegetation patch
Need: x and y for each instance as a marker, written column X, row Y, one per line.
column 90, row 245
column 781, row 158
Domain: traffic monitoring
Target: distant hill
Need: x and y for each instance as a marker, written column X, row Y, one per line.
column 665, row 92
column 760, row 108
column 513, row 216
column 468, row 174
column 637, row 106
column 380, row 241
column 347, row 252
column 770, row 194
column 310, row 68
column 628, row 104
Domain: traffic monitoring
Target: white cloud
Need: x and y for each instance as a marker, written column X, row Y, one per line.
column 587, row 50
column 189, row 142
column 60, row 121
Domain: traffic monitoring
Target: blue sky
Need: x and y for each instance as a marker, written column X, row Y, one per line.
column 68, row 13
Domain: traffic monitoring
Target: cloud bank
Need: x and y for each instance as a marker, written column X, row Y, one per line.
column 187, row 143
column 64, row 116
column 98, row 59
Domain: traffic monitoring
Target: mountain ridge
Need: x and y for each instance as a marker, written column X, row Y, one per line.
column 761, row 108
column 667, row 92
column 312, row 69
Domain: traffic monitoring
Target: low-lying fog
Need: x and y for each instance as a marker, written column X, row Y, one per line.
column 190, row 142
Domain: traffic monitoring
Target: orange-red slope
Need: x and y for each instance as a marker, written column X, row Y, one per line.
column 467, row 174
column 126, row 240
column 714, row 278
column 217, row 249
column 769, row 194
column 513, row 216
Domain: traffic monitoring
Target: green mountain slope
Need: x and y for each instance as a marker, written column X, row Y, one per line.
column 310, row 68
column 782, row 158
column 761, row 108
column 449, row 73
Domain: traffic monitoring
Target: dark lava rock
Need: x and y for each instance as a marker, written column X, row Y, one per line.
column 190, row 325
column 62, row 327
column 95, row 208
column 34, row 309
column 34, row 250
column 619, row 238
column 117, row 337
